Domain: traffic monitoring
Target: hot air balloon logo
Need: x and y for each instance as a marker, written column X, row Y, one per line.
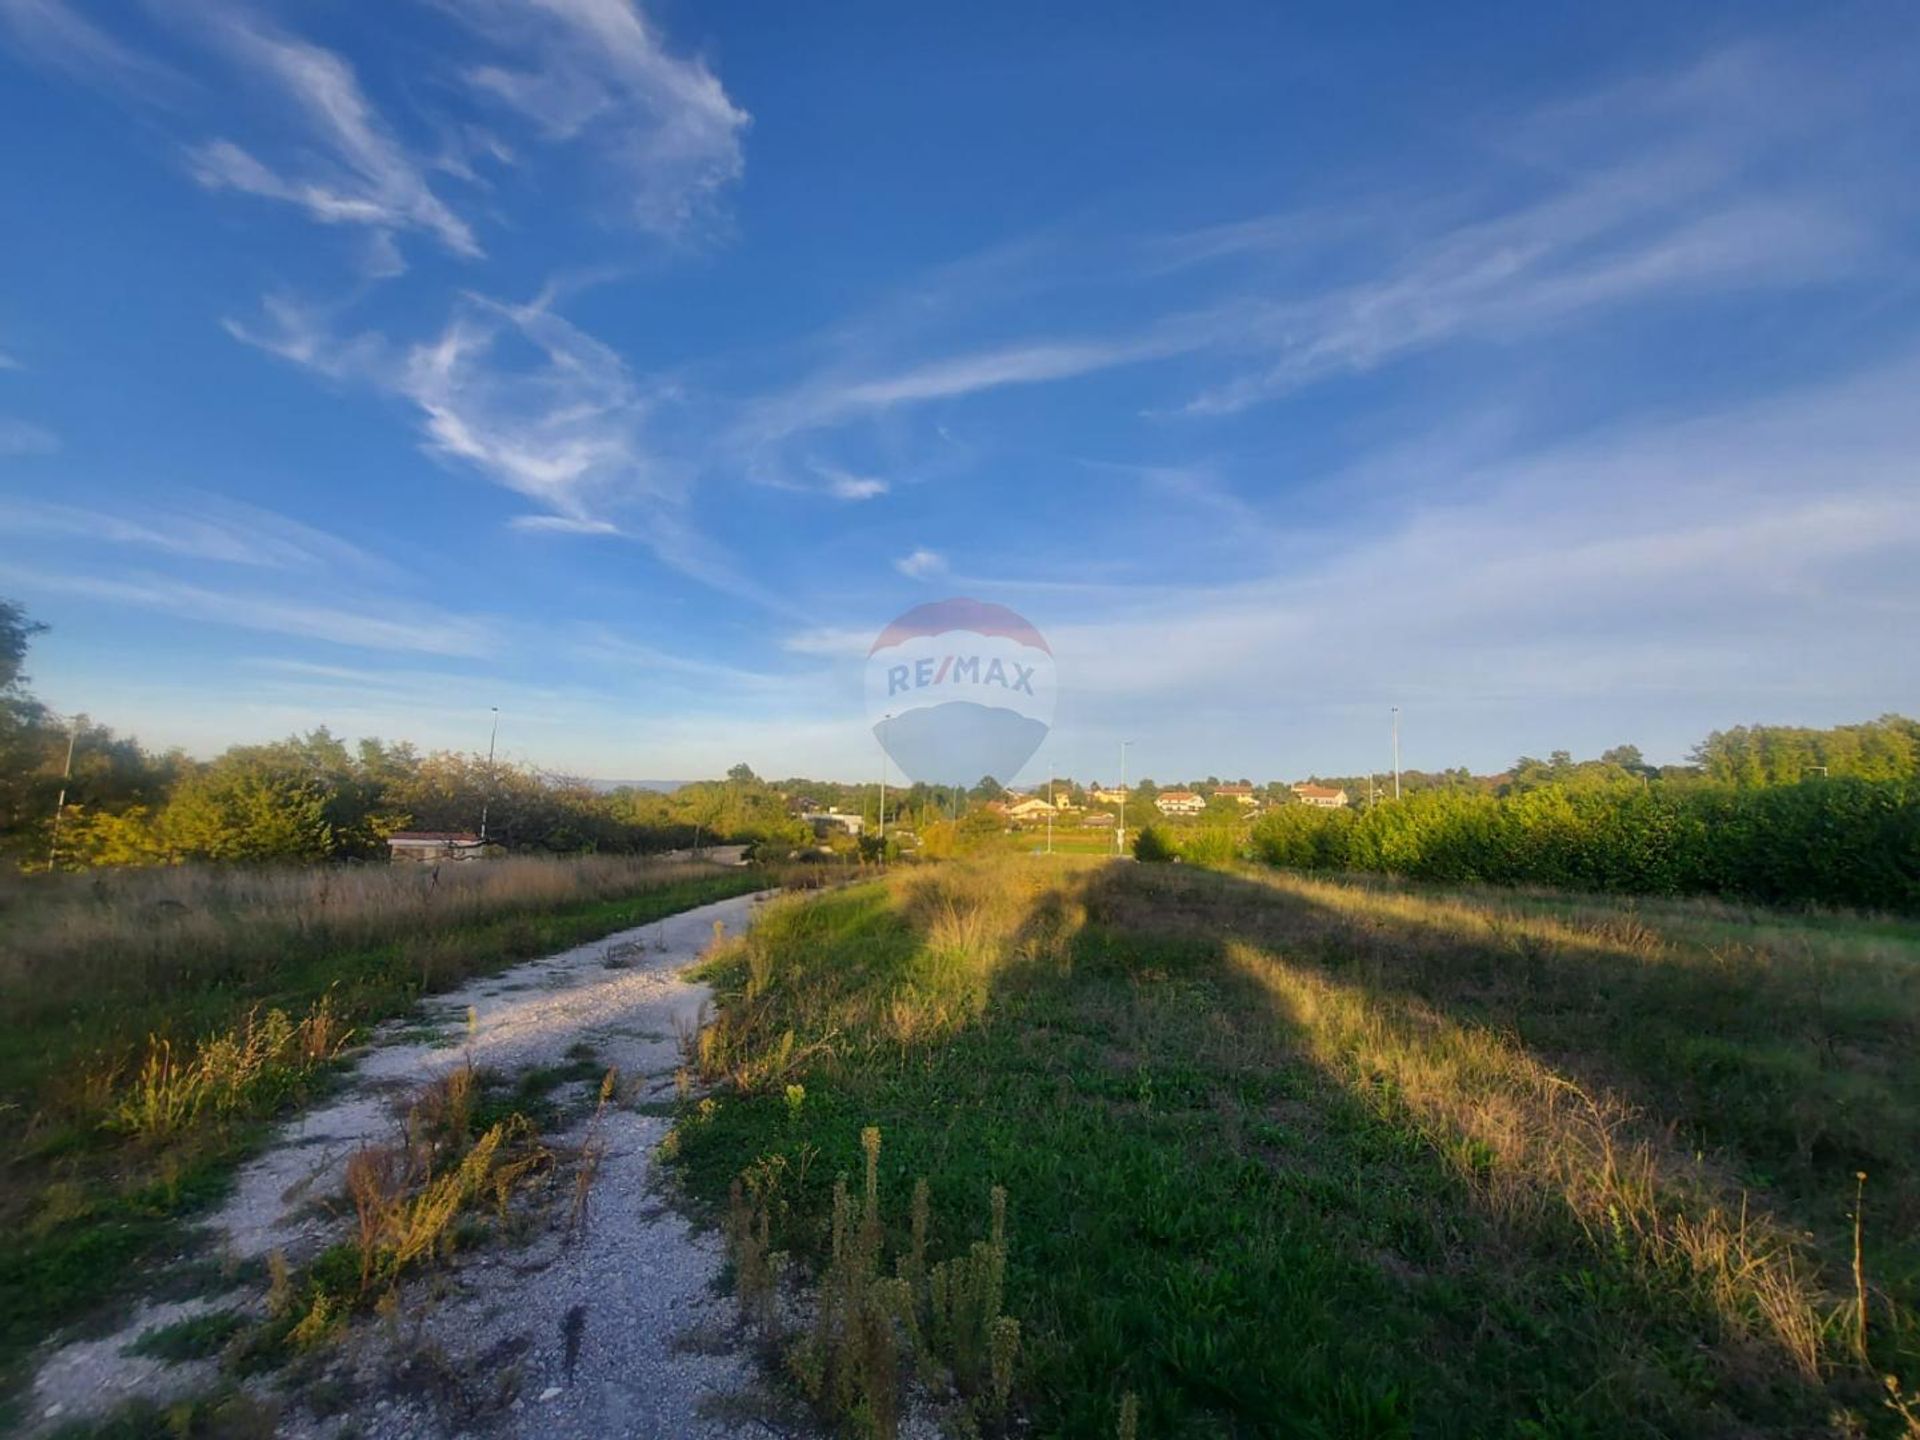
column 960, row 689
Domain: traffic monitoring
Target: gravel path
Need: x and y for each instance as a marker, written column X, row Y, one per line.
column 614, row 1330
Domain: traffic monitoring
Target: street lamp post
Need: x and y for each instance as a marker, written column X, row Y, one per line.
column 486, row 802
column 883, row 785
column 1396, row 752
column 1121, row 834
column 1049, row 808
column 60, row 805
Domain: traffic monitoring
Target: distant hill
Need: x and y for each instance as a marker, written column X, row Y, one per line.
column 665, row 787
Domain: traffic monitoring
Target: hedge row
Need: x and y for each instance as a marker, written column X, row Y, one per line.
column 1828, row 842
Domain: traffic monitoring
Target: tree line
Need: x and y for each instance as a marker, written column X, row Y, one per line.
column 1831, row 841
column 316, row 797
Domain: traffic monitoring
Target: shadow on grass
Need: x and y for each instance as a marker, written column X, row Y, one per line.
column 1213, row 1205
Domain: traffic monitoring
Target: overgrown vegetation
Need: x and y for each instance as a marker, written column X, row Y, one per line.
column 1296, row 1156
column 470, row 1168
column 1824, row 842
column 152, row 1023
column 938, row 1326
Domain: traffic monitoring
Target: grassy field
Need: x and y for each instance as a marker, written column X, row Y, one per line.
column 153, row 1024
column 1323, row 1158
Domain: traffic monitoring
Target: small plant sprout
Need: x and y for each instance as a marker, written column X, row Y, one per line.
column 796, row 1097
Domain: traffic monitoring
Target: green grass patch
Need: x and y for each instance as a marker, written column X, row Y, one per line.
column 1291, row 1162
column 198, row 1338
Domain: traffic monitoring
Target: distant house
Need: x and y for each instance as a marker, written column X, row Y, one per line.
column 1324, row 796
column 1106, row 797
column 1242, row 793
column 430, row 847
column 832, row 819
column 1097, row 820
column 1179, row 802
column 1032, row 807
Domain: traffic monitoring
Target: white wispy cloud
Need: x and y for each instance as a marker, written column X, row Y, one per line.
column 845, row 485
column 514, row 392
column 598, row 72
column 921, row 564
column 832, row 641
column 596, row 75
column 1760, row 556
column 55, row 34
column 23, row 437
column 1667, row 194
column 1611, row 245
column 524, row 398
column 562, row 431
column 564, row 525
column 395, row 626
column 356, row 171
column 225, row 531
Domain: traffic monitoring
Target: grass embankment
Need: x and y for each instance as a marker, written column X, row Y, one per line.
column 152, row 1024
column 1300, row 1157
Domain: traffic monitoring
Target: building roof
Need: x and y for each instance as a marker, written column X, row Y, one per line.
column 1316, row 792
column 1177, row 795
column 1233, row 789
column 434, row 837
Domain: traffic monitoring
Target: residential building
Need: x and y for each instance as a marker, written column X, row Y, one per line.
column 1179, row 802
column 834, row 819
column 1242, row 793
column 1324, row 796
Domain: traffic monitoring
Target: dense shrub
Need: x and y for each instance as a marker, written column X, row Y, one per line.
column 1208, row 844
column 1152, row 846
column 1830, row 842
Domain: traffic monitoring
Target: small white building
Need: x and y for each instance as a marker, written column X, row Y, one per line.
column 1326, row 797
column 1179, row 802
column 430, row 847
column 834, row 819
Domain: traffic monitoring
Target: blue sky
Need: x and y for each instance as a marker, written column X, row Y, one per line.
column 1549, row 372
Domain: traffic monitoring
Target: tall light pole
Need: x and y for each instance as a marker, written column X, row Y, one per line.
column 1396, row 752
column 60, row 805
column 486, row 801
column 1121, row 835
column 883, row 785
column 1049, row 807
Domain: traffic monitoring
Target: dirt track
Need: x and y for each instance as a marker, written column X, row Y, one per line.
column 614, row 1329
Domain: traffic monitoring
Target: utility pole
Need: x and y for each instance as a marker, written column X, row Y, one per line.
column 883, row 785
column 1049, row 807
column 60, row 805
column 1121, row 835
column 1396, row 752
column 486, row 802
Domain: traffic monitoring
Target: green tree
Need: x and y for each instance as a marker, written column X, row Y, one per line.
column 16, row 634
column 250, row 805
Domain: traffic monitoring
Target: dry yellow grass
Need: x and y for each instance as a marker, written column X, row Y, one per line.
column 170, row 927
